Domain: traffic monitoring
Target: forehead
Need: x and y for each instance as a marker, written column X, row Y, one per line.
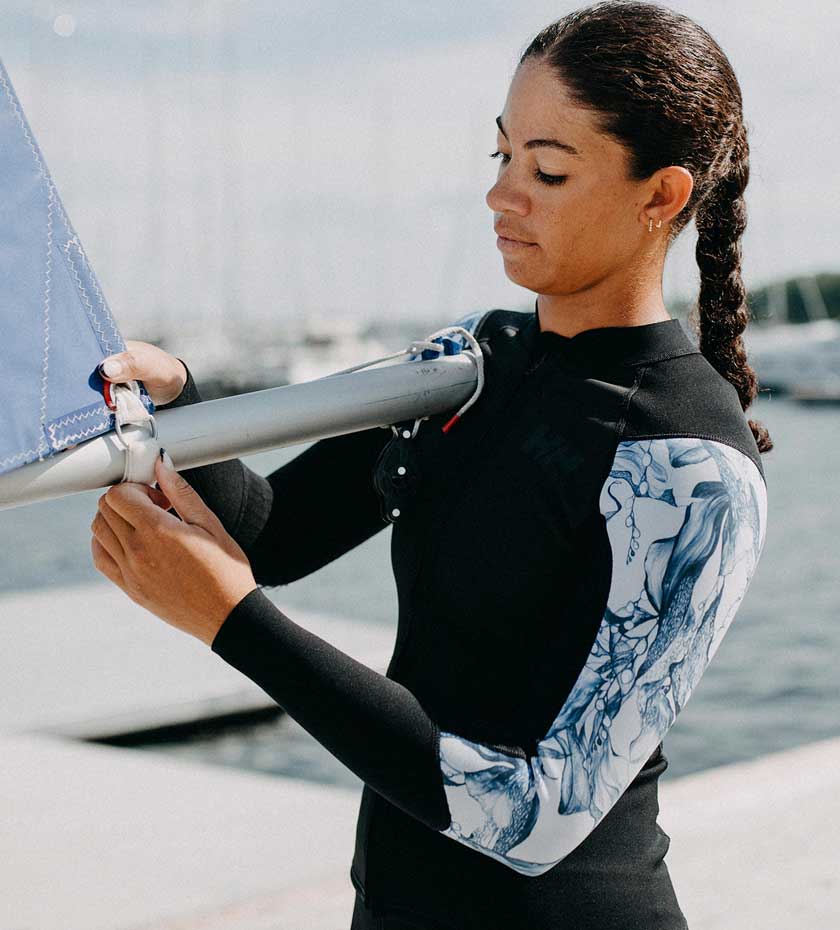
column 538, row 105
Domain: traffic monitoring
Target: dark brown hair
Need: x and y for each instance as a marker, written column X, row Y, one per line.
column 664, row 89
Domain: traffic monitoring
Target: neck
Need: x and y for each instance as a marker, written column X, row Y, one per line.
column 599, row 306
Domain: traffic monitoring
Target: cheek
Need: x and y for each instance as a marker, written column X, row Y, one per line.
column 588, row 229
column 615, row 216
column 566, row 214
column 567, row 235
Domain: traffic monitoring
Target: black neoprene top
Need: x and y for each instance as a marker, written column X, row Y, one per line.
column 567, row 559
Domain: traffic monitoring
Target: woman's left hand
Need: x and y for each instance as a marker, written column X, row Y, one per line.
column 190, row 574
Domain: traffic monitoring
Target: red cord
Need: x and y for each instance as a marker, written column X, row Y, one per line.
column 448, row 425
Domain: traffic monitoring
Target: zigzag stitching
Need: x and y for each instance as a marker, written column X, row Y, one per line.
column 52, row 201
column 85, row 432
column 53, row 196
column 45, row 365
column 95, row 319
column 100, row 297
column 75, row 417
column 22, row 122
column 42, row 169
column 83, row 294
column 54, row 427
column 20, row 455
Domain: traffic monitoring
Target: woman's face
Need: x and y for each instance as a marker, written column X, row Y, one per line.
column 583, row 227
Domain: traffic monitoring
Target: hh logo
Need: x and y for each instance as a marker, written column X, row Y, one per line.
column 553, row 451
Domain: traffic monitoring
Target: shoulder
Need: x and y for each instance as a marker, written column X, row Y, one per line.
column 685, row 398
column 486, row 325
column 685, row 483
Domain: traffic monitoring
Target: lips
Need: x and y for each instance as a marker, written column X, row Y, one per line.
column 513, row 246
column 504, row 234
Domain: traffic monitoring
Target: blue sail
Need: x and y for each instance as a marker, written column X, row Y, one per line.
column 55, row 323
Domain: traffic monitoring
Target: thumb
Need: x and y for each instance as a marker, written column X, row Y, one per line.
column 184, row 499
column 119, row 367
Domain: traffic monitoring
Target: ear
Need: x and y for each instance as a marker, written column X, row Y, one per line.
column 668, row 192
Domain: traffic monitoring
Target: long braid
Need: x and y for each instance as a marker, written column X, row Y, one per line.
column 721, row 219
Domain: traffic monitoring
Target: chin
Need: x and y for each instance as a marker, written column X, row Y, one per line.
column 524, row 277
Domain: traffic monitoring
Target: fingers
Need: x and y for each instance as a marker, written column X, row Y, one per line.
column 163, row 375
column 133, row 502
column 105, row 563
column 187, row 502
column 158, row 497
column 122, row 510
column 106, row 535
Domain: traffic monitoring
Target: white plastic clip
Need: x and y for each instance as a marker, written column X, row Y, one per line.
column 137, row 432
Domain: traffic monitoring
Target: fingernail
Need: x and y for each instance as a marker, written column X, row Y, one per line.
column 165, row 458
column 112, row 368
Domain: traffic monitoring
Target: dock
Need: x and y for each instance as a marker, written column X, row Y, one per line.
column 98, row 837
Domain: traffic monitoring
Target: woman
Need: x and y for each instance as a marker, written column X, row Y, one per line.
column 567, row 558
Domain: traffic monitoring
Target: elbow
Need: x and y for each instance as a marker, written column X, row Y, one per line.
column 515, row 816
column 528, row 864
column 530, row 869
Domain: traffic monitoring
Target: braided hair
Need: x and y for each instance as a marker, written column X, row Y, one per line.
column 664, row 89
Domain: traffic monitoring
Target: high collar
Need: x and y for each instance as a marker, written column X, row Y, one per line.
column 610, row 345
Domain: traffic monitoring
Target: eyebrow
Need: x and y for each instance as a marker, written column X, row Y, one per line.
column 542, row 143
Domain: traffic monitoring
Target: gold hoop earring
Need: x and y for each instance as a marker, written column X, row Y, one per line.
column 659, row 224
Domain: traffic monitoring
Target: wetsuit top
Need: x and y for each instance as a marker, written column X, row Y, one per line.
column 567, row 558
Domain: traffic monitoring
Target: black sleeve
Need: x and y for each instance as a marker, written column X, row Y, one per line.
column 303, row 515
column 375, row 726
column 299, row 518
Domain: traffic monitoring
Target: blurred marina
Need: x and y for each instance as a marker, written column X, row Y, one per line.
column 792, row 341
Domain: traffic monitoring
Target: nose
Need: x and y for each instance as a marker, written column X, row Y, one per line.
column 503, row 197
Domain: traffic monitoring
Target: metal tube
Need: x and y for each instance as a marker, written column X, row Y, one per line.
column 217, row 430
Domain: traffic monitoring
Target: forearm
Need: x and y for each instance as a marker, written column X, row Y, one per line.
column 238, row 496
column 304, row 514
column 372, row 724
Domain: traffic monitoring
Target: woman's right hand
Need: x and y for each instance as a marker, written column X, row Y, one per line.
column 163, row 375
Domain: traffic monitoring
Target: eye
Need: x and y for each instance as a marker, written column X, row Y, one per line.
column 549, row 178
column 539, row 175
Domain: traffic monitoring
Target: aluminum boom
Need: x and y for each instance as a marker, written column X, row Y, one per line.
column 217, row 430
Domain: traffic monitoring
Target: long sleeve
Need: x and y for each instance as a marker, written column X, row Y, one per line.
column 685, row 519
column 304, row 514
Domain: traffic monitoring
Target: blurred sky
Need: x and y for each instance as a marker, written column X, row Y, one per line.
column 229, row 161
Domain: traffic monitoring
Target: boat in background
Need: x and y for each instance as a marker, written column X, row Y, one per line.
column 801, row 360
column 825, row 393
column 331, row 343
